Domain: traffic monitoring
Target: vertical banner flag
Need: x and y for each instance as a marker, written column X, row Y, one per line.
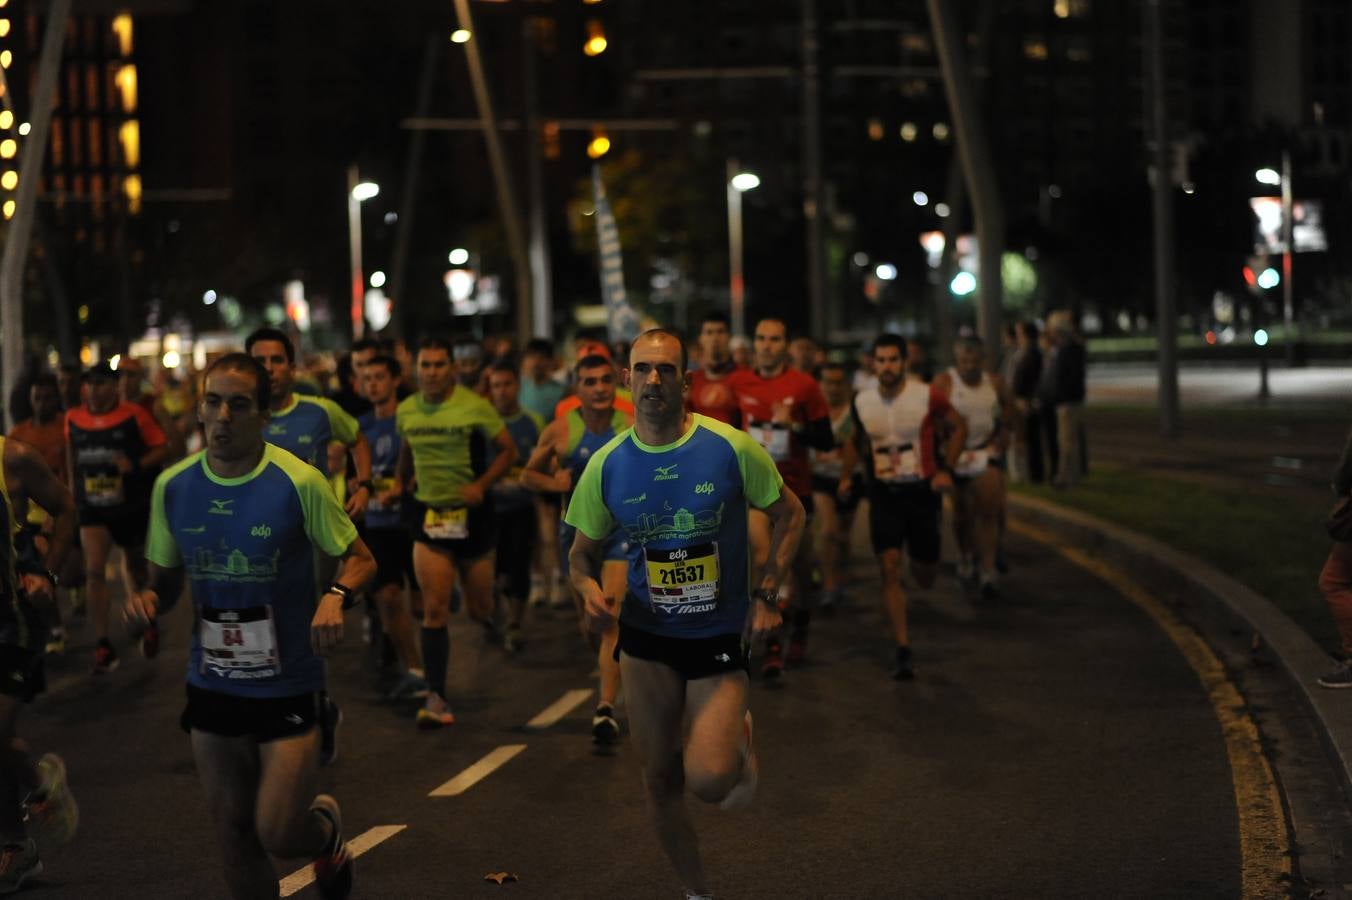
column 622, row 323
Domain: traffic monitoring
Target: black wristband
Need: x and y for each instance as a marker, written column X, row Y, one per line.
column 348, row 595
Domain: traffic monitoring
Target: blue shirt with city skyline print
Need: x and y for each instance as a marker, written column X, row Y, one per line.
column 682, row 508
column 247, row 545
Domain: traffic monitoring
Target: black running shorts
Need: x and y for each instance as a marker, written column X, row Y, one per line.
column 905, row 515
column 393, row 552
column 482, row 528
column 692, row 658
column 262, row 718
column 827, row 486
column 518, row 531
column 127, row 523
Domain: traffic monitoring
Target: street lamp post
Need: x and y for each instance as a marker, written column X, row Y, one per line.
column 1282, row 179
column 357, row 191
column 739, row 182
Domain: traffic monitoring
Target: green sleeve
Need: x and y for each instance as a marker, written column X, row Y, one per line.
column 538, row 419
column 161, row 548
column 761, row 481
column 587, row 512
column 327, row 525
column 343, row 426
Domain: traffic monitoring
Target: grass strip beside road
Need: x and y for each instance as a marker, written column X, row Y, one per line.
column 1273, row 544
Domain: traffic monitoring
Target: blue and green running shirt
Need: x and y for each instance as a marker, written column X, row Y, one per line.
column 307, row 425
column 248, row 546
column 451, row 441
column 683, row 509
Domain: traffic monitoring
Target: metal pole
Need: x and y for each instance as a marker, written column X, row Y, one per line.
column 542, row 301
column 1288, row 287
column 736, row 285
column 974, row 151
column 1166, row 322
column 25, row 199
column 408, row 202
column 354, row 255
column 507, row 208
column 812, row 184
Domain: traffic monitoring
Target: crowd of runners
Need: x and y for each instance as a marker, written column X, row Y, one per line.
column 692, row 500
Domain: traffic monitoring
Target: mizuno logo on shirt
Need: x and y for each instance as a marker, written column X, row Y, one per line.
column 221, row 508
column 639, row 499
column 664, row 473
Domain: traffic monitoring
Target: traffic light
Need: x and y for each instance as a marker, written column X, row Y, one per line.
column 599, row 145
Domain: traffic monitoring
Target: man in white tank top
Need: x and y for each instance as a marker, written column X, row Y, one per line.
column 983, row 401
column 898, row 429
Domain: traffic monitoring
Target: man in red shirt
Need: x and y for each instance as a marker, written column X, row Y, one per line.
column 710, row 394
column 785, row 411
column 116, row 450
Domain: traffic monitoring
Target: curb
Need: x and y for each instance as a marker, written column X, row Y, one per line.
column 1297, row 652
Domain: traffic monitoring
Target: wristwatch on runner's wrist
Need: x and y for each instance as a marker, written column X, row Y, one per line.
column 768, row 597
column 349, row 596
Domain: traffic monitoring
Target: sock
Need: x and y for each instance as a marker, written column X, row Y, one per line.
column 605, row 709
column 436, row 651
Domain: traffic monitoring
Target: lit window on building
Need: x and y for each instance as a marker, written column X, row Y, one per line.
column 875, row 129
column 131, row 187
column 1034, row 48
column 914, row 42
column 129, row 135
column 126, row 85
column 909, row 132
column 1070, row 9
column 123, row 29
column 941, row 131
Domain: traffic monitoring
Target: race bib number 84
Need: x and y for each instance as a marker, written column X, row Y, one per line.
column 239, row 643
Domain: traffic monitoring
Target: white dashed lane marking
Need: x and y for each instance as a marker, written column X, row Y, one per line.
column 303, row 878
column 559, row 708
column 478, row 772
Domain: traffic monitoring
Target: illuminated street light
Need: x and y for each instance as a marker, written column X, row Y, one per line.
column 745, row 181
column 1268, row 176
column 1260, row 337
column 738, row 183
column 365, row 191
column 209, row 298
column 885, row 272
column 598, row 146
column 1269, row 278
column 377, row 279
column 24, row 128
column 941, row 210
column 596, row 39
column 171, row 359
column 459, row 256
column 920, row 198
column 460, row 36
column 963, row 284
column 356, row 193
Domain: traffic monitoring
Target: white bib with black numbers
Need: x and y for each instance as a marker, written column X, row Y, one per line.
column 774, row 438
column 239, row 643
column 683, row 580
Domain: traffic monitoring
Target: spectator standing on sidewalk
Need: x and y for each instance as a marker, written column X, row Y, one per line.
column 1067, row 369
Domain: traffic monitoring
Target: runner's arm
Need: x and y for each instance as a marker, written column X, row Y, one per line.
column 584, row 568
column 497, row 468
column 787, row 519
column 41, row 485
column 163, row 588
column 817, row 434
column 403, row 470
column 539, row 471
column 361, row 461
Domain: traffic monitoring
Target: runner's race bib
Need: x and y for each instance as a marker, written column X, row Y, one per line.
column 683, row 579
column 972, row 462
column 239, row 643
column 826, row 463
column 380, row 486
column 447, row 524
column 103, row 490
column 896, row 463
column 774, row 438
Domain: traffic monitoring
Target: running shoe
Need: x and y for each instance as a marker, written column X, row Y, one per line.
column 772, row 666
column 330, row 717
column 150, row 640
column 333, row 867
column 18, row 863
column 408, row 687
column 1339, row 678
column 562, row 597
column 605, row 729
column 514, row 640
column 105, row 658
column 537, row 596
column 56, row 641
column 435, row 713
column 902, row 670
column 51, row 809
column 744, row 791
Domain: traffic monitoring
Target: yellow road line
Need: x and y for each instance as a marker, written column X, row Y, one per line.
column 1265, row 861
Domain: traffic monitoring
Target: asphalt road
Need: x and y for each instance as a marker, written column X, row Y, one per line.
column 1054, row 744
